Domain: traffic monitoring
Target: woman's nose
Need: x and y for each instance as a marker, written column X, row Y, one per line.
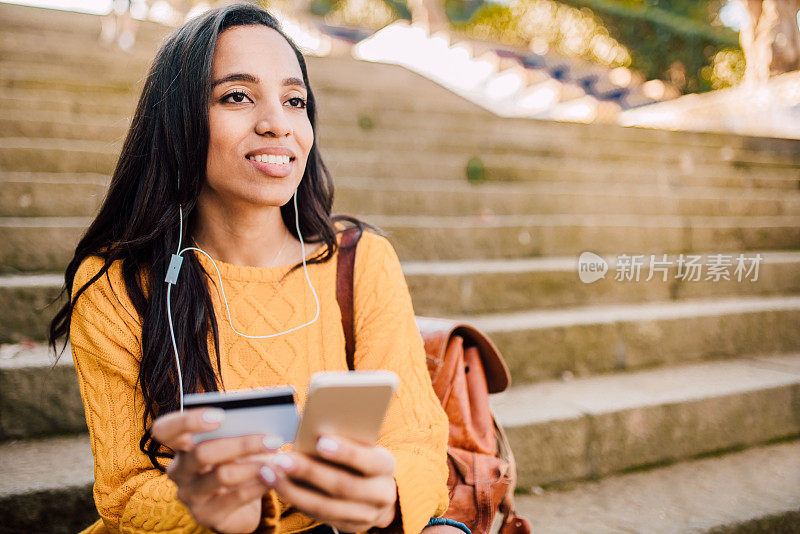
column 275, row 124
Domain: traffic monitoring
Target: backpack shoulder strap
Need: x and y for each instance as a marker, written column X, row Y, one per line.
column 344, row 289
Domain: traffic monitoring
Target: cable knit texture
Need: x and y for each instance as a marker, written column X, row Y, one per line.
column 131, row 496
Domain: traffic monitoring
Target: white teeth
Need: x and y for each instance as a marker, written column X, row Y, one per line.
column 270, row 158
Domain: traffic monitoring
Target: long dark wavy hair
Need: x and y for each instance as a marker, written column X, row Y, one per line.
column 167, row 145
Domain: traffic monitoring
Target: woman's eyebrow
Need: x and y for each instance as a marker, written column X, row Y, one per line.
column 249, row 78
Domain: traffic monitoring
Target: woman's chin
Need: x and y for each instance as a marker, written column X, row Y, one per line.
column 256, row 192
column 270, row 198
column 262, row 195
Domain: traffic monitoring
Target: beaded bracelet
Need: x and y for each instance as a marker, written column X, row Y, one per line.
column 451, row 522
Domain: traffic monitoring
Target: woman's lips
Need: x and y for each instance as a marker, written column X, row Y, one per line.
column 278, row 170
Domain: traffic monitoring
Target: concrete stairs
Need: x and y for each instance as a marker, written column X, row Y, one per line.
column 760, row 485
column 661, row 405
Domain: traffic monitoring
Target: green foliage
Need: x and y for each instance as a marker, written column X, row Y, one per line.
column 656, row 37
column 365, row 123
column 461, row 10
column 699, row 10
column 321, row 7
column 671, row 40
column 567, row 30
column 399, row 8
column 476, row 173
column 727, row 69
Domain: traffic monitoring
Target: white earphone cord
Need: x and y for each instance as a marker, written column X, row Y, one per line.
column 172, row 278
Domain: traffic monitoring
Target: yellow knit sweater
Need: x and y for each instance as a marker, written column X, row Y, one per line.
column 132, row 496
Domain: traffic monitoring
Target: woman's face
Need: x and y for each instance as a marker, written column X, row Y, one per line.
column 258, row 107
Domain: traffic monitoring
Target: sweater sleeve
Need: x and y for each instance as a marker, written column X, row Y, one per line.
column 416, row 428
column 105, row 332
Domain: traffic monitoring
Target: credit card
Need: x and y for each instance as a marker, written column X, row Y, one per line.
column 250, row 411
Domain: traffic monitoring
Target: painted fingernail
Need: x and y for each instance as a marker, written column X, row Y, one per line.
column 283, row 460
column 213, row 415
column 327, row 446
column 272, row 441
column 268, row 475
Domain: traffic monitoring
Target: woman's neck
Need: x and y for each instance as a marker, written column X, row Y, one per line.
column 253, row 236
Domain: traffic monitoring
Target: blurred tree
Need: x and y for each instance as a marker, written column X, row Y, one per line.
column 697, row 10
column 770, row 38
column 366, row 13
column 675, row 40
column 461, row 10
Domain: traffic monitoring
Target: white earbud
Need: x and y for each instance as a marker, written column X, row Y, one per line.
column 172, row 278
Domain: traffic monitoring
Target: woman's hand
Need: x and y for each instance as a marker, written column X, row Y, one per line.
column 215, row 481
column 351, row 487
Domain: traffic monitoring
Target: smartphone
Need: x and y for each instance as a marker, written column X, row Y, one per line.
column 269, row 410
column 351, row 404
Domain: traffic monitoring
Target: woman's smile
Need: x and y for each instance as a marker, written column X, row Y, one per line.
column 278, row 166
column 275, row 161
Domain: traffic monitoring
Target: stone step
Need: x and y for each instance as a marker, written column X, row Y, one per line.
column 63, row 125
column 519, row 167
column 349, row 135
column 523, row 236
column 62, row 101
column 124, row 70
column 26, row 78
column 444, row 197
column 26, row 194
column 338, row 108
column 19, row 154
column 41, row 244
column 38, row 398
column 561, row 432
column 538, row 347
column 748, row 492
column 58, row 155
column 599, row 338
column 479, row 288
column 502, row 286
column 46, row 485
column 36, row 45
column 585, row 428
column 56, row 21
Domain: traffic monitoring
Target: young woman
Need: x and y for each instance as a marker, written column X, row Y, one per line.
column 227, row 90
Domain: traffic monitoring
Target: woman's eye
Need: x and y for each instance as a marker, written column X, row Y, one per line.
column 300, row 99
column 238, row 95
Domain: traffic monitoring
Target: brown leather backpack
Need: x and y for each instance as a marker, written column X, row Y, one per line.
column 465, row 367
